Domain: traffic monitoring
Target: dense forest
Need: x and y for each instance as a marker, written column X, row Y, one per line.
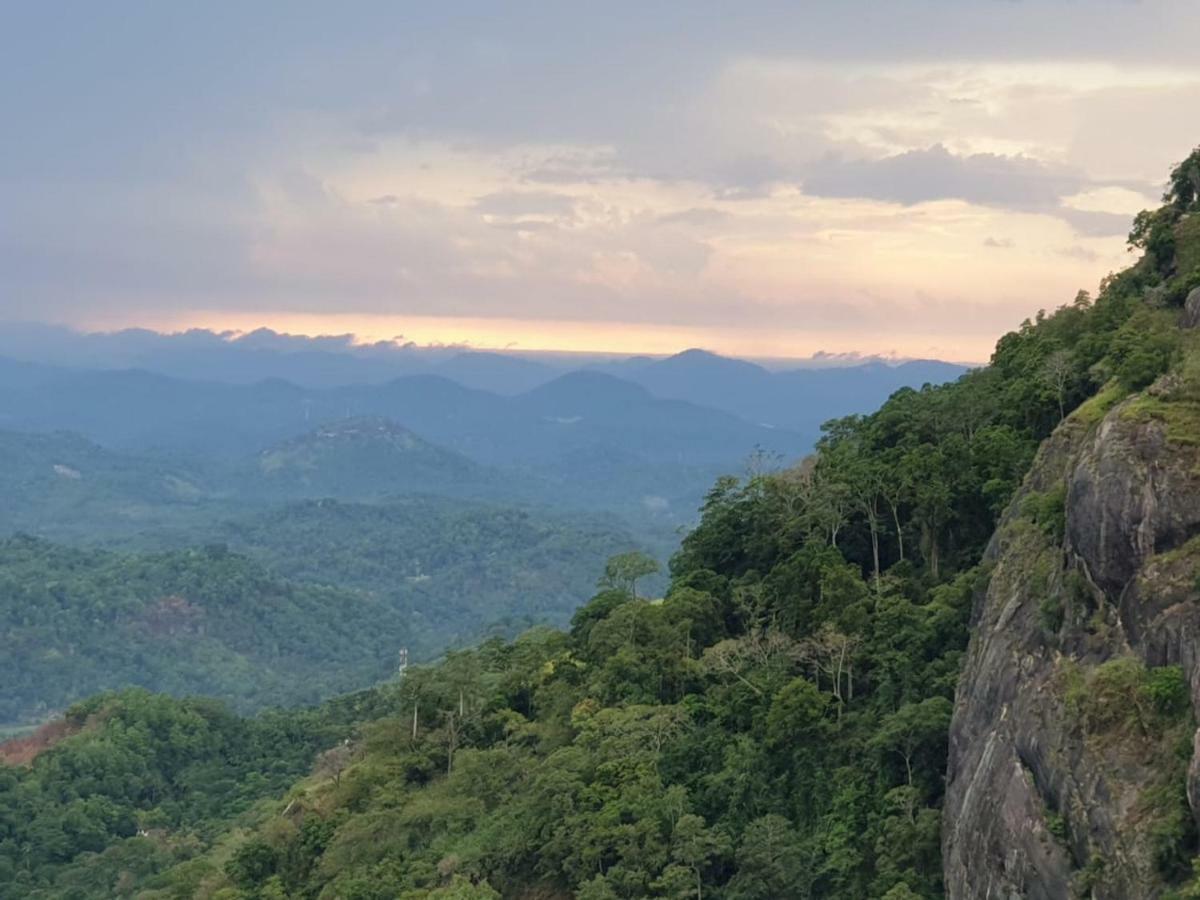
column 775, row 726
column 457, row 570
column 362, row 581
column 185, row 622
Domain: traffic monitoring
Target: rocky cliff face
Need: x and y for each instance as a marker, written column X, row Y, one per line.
column 1074, row 765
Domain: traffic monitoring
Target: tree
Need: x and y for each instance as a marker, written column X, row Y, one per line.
column 461, row 888
column 832, row 653
column 797, row 713
column 927, row 469
column 770, row 862
column 863, row 478
column 333, row 762
column 1183, row 186
column 755, row 654
column 913, row 729
column 623, row 571
column 1057, row 372
column 694, row 846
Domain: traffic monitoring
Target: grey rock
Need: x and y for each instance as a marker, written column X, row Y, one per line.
column 1040, row 802
column 1191, row 309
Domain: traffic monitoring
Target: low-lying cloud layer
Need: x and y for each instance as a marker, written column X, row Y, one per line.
column 806, row 176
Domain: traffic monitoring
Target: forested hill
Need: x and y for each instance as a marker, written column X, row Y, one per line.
column 186, row 622
column 775, row 727
column 285, row 606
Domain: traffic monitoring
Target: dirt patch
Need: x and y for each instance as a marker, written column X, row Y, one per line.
column 24, row 750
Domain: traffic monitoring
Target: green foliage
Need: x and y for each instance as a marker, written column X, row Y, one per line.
column 141, row 784
column 1180, row 416
column 422, row 573
column 1153, row 232
column 1051, row 614
column 457, row 571
column 1167, row 689
column 1144, row 348
column 1173, row 834
column 1124, row 695
column 1048, row 511
column 1187, row 257
column 1057, row 826
column 1183, row 187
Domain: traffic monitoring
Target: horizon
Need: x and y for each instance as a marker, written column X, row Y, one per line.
column 768, row 183
column 264, row 338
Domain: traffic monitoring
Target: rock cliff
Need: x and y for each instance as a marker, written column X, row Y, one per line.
column 1074, row 768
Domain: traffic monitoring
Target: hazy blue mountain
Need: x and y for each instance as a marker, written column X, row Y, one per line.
column 800, row 400
column 593, row 409
column 648, row 443
column 336, row 361
column 583, row 437
column 18, row 374
column 496, row 372
column 316, row 362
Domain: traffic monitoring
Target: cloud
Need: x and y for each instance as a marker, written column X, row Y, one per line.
column 998, row 243
column 526, row 203
column 918, row 176
column 696, row 215
column 1092, row 223
column 1083, row 254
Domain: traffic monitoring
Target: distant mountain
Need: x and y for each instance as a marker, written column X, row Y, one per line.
column 653, row 450
column 496, row 372
column 653, row 439
column 314, row 362
column 593, row 409
column 17, row 374
column 447, row 569
column 363, row 457
column 800, row 400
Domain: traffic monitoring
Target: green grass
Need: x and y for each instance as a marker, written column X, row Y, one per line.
column 1092, row 410
column 1181, row 417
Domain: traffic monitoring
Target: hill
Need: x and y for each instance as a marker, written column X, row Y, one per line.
column 187, row 622
column 363, row 457
column 456, row 570
column 64, row 485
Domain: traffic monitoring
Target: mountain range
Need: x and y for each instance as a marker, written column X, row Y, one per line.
column 649, row 441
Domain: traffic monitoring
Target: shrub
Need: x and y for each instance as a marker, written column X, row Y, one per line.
column 1048, row 511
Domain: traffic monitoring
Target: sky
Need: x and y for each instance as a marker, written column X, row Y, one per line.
column 762, row 179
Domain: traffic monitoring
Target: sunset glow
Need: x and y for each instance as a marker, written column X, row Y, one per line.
column 779, row 186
